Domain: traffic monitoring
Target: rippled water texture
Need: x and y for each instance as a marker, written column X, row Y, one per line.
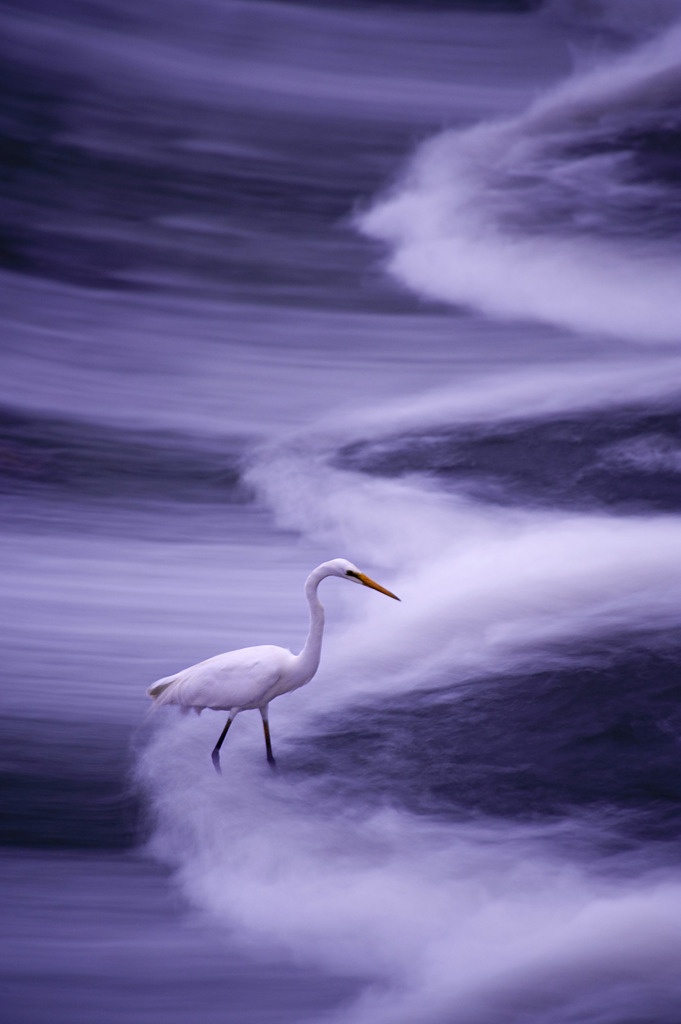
column 397, row 283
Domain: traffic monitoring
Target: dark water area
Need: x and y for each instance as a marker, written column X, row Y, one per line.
column 43, row 454
column 600, row 738
column 396, row 282
column 67, row 786
column 164, row 967
column 145, row 188
column 627, row 460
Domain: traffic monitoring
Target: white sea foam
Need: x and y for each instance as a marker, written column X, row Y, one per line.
column 446, row 221
column 443, row 920
column 485, row 394
column 482, row 587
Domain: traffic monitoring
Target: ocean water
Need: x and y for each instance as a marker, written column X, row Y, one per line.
column 395, row 282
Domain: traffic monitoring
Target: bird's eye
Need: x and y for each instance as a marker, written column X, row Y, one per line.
column 349, row 572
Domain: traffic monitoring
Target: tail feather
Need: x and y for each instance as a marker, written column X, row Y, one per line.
column 160, row 686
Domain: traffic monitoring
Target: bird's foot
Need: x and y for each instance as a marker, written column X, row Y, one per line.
column 215, row 758
column 272, row 763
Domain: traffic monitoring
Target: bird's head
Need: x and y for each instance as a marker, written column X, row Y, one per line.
column 348, row 571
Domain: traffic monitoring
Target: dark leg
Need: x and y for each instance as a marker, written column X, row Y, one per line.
column 268, row 742
column 216, row 750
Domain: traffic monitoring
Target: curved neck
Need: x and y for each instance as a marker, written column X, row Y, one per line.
column 311, row 652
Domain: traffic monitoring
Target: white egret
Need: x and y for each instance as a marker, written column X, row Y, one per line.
column 253, row 676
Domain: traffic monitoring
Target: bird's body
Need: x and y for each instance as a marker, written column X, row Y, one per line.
column 240, row 680
column 253, row 676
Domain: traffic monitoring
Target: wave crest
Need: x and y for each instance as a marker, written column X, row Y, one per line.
column 568, row 214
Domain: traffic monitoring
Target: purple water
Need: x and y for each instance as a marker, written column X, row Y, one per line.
column 396, row 283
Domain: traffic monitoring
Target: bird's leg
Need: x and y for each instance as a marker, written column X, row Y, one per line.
column 216, row 749
column 268, row 742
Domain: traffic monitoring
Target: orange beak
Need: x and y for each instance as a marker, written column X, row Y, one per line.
column 374, row 586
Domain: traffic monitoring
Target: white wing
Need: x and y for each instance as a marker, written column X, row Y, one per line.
column 238, row 679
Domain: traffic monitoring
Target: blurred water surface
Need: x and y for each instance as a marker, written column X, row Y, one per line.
column 394, row 282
